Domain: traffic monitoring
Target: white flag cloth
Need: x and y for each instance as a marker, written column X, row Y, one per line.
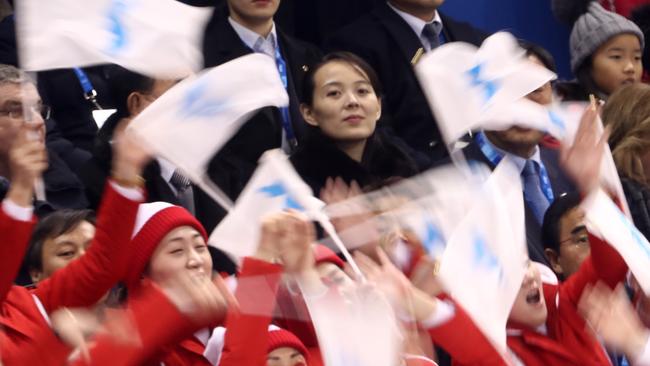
column 430, row 203
column 360, row 330
column 274, row 187
column 190, row 122
column 488, row 250
column 160, row 38
column 604, row 217
column 561, row 120
column 465, row 85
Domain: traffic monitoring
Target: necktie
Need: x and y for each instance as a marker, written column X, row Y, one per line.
column 533, row 191
column 265, row 46
column 184, row 191
column 431, row 33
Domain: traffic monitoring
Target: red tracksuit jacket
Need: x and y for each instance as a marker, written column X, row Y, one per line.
column 81, row 284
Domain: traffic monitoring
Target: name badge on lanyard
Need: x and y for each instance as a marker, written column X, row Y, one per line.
column 286, row 117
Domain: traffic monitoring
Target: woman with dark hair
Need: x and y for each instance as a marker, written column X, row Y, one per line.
column 342, row 104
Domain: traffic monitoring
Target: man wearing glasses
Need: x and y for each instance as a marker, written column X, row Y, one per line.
column 566, row 243
column 21, row 103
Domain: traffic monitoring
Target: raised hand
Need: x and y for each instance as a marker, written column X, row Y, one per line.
column 130, row 155
column 295, row 242
column 612, row 317
column 357, row 215
column 27, row 162
column 287, row 237
column 583, row 159
column 400, row 291
column 201, row 299
column 74, row 326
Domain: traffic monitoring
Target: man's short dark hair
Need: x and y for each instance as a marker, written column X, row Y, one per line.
column 540, row 52
column 123, row 82
column 553, row 216
column 56, row 224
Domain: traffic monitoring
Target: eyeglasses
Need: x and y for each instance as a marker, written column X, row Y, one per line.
column 577, row 239
column 18, row 112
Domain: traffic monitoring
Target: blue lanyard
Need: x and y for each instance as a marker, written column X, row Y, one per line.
column 286, row 117
column 495, row 157
column 89, row 91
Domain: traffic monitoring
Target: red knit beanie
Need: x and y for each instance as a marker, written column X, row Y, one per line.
column 323, row 254
column 153, row 222
column 279, row 338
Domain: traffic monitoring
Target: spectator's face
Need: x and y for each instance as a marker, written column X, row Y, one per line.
column 13, row 100
column 285, row 356
column 529, row 308
column 138, row 101
column 516, row 139
column 574, row 244
column 617, row 63
column 417, row 4
column 58, row 252
column 331, row 274
column 345, row 106
column 181, row 250
column 544, row 94
column 253, row 11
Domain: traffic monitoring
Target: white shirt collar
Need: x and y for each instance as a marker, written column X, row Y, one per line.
column 248, row 36
column 203, row 335
column 166, row 169
column 518, row 160
column 416, row 23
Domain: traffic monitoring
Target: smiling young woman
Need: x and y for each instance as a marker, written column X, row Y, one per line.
column 342, row 106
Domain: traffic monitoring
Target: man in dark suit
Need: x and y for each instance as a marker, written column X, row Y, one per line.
column 541, row 175
column 245, row 27
column 392, row 38
column 132, row 93
column 21, row 103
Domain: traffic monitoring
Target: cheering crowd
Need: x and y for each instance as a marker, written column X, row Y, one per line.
column 507, row 246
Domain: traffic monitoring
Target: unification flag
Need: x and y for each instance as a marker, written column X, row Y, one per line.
column 159, row 38
column 488, row 250
column 190, row 123
column 466, row 85
column 606, row 219
column 274, row 187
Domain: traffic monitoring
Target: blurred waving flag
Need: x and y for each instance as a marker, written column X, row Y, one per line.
column 359, row 329
column 274, row 187
column 605, row 218
column 488, row 250
column 561, row 120
column 159, row 38
column 190, row 123
column 465, row 85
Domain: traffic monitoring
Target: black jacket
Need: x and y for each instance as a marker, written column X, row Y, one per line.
column 319, row 159
column 560, row 184
column 62, row 188
column 388, row 44
column 97, row 170
column 235, row 163
column 638, row 199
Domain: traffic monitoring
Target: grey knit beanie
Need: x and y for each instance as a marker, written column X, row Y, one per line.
column 591, row 28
